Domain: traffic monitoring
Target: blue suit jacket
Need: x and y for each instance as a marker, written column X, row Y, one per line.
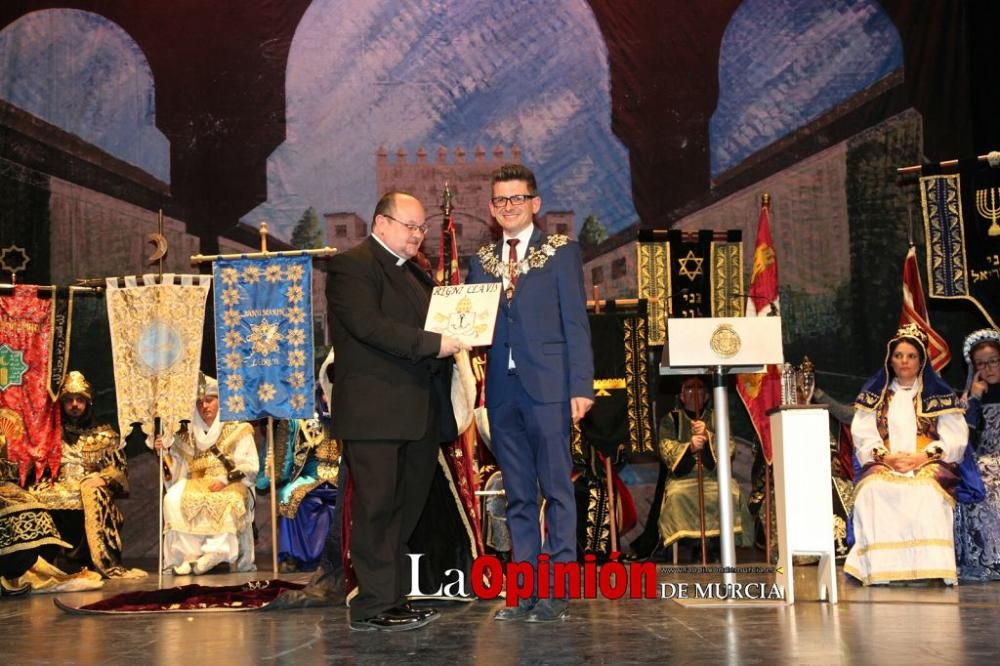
column 545, row 328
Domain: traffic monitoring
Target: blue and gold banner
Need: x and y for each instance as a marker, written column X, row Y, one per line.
column 962, row 226
column 263, row 337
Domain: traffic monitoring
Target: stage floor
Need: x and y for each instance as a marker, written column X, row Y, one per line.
column 874, row 625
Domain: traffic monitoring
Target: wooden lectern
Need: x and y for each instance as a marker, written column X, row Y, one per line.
column 719, row 346
column 803, row 489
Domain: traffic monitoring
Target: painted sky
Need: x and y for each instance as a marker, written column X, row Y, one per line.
column 785, row 62
column 84, row 74
column 365, row 74
column 370, row 73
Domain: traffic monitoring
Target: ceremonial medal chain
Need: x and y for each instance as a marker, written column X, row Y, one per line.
column 536, row 257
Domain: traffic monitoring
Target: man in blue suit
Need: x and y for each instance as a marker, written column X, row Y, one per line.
column 539, row 376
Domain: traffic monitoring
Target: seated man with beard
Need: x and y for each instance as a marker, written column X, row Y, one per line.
column 92, row 473
column 208, row 508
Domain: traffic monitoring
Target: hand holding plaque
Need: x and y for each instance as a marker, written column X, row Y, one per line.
column 466, row 311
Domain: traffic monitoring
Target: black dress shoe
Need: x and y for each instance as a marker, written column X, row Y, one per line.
column 407, row 608
column 549, row 610
column 389, row 622
column 515, row 613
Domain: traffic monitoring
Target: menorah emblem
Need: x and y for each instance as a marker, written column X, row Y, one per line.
column 989, row 211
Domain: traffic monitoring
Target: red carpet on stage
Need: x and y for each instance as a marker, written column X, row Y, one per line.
column 254, row 595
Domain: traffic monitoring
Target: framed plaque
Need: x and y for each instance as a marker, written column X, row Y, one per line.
column 465, row 311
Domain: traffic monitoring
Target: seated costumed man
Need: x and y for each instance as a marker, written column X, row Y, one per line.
column 29, row 540
column 308, row 462
column 92, row 473
column 686, row 433
column 208, row 507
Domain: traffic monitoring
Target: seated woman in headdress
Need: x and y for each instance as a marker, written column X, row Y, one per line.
column 977, row 524
column 909, row 434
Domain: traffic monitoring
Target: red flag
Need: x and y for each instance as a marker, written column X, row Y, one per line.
column 29, row 413
column 456, row 277
column 447, row 268
column 914, row 311
column 762, row 392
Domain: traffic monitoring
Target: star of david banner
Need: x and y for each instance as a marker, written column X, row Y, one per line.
column 689, row 289
column 690, row 274
column 156, row 331
column 263, row 337
column 29, row 414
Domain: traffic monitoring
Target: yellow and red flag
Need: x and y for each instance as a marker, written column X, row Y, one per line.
column 762, row 392
column 914, row 311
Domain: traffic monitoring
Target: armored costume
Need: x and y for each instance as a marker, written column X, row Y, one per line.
column 92, row 474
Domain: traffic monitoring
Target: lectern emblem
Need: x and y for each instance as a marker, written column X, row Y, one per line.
column 725, row 341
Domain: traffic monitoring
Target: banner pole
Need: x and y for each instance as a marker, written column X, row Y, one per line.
column 159, row 568
column 274, row 495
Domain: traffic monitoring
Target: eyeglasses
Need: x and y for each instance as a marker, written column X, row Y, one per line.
column 416, row 228
column 988, row 363
column 515, row 199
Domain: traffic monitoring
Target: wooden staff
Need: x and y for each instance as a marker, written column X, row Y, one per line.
column 699, row 407
column 159, row 541
column 612, row 504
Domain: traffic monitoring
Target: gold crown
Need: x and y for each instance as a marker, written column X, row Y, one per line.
column 911, row 330
column 76, row 384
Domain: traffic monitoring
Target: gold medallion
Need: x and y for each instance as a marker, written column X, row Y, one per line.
column 725, row 341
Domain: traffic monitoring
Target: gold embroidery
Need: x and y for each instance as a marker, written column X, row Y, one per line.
column 912, row 543
column 909, row 574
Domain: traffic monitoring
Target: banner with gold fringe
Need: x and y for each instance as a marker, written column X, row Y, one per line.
column 156, row 336
column 263, row 337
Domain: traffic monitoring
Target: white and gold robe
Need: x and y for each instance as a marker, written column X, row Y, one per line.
column 198, row 521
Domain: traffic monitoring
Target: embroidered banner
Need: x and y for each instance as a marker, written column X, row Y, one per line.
column 263, row 337
column 621, row 422
column 653, row 267
column 689, row 274
column 727, row 276
column 156, row 334
column 688, row 285
column 62, row 322
column 962, row 227
column 29, row 413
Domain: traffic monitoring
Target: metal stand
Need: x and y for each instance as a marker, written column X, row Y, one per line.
column 721, row 402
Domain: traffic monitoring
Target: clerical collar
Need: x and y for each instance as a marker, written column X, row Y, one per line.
column 399, row 260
